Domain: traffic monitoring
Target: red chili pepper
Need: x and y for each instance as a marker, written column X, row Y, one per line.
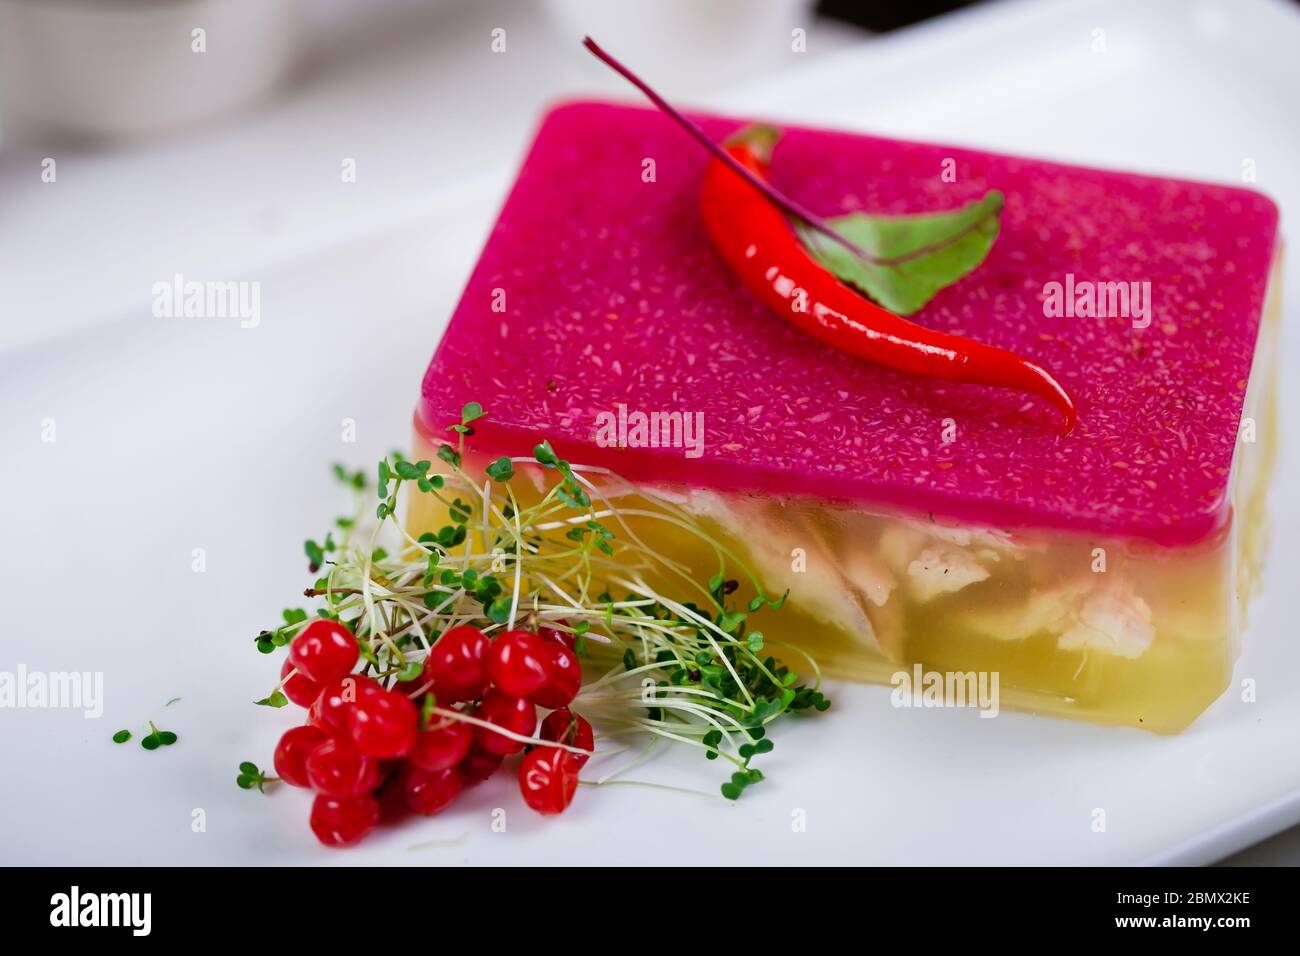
column 745, row 221
column 756, row 240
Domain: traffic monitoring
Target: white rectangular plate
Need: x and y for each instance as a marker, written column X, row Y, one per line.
column 176, row 435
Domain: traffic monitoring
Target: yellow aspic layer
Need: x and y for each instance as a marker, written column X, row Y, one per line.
column 1106, row 631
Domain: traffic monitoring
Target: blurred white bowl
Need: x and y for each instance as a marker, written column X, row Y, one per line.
column 687, row 46
column 120, row 68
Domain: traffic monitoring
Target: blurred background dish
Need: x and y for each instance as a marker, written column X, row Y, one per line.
column 696, row 45
column 106, row 69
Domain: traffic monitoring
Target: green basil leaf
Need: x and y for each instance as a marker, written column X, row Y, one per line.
column 907, row 286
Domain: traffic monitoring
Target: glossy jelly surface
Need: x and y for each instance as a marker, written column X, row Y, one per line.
column 598, row 287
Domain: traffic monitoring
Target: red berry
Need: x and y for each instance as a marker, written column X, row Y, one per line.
column 428, row 793
column 383, row 724
column 478, row 765
column 566, row 678
column 565, row 727
column 330, row 711
column 336, row 769
column 292, row 751
column 510, row 713
column 299, row 688
column 392, row 798
column 443, row 745
column 548, row 778
column 325, row 651
column 342, row 822
column 457, row 665
column 567, row 638
column 519, row 663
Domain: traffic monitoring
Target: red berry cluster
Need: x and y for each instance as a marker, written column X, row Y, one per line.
column 367, row 757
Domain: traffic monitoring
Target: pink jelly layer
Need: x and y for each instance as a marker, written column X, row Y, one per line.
column 613, row 295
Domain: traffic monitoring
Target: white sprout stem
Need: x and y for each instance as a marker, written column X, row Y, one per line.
column 519, row 564
column 498, row 729
column 632, row 764
column 708, row 625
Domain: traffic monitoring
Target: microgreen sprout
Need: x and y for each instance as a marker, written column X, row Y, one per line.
column 122, row 736
column 294, row 619
column 250, row 776
column 157, row 738
column 668, row 652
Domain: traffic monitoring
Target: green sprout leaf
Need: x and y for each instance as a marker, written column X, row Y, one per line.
column 315, row 555
column 250, row 776
column 157, row 738
column 122, row 736
column 501, row 469
column 957, row 240
column 450, row 455
column 498, row 611
column 546, row 455
column 731, row 620
column 411, row 671
column 411, row 471
column 355, row 480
